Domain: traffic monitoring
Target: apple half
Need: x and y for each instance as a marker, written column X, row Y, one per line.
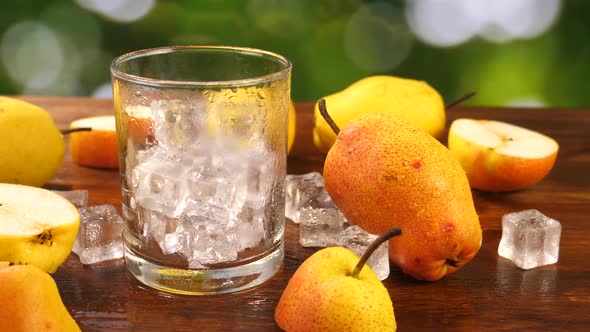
column 37, row 226
column 498, row 156
column 97, row 147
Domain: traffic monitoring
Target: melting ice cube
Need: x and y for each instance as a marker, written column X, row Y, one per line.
column 99, row 237
column 321, row 222
column 358, row 240
column 78, row 197
column 298, row 189
column 530, row 239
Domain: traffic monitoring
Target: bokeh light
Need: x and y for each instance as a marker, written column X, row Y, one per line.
column 441, row 23
column 526, row 102
column 104, row 91
column 446, row 23
column 504, row 20
column 73, row 23
column 23, row 45
column 377, row 38
column 119, row 10
column 512, row 52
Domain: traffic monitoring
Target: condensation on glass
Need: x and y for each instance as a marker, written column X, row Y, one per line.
column 202, row 134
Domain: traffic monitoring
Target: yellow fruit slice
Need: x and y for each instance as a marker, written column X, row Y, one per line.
column 37, row 227
column 32, row 148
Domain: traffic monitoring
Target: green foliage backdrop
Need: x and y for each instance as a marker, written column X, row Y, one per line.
column 59, row 47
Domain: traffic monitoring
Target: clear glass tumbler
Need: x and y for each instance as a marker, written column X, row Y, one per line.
column 202, row 136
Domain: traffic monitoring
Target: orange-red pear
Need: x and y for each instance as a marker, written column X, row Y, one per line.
column 384, row 172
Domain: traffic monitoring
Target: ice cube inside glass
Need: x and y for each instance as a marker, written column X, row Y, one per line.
column 530, row 239
column 202, row 136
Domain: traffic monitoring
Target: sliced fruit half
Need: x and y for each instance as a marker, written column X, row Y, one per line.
column 498, row 156
column 37, row 226
column 98, row 146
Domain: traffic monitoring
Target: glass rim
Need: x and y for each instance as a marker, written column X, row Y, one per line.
column 121, row 75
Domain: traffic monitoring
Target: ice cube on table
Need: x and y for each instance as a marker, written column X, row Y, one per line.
column 358, row 240
column 321, row 222
column 530, row 239
column 298, row 189
column 78, row 197
column 100, row 235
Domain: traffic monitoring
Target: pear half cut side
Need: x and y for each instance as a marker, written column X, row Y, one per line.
column 37, row 226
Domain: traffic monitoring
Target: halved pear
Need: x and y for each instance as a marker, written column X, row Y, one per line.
column 37, row 226
column 97, row 147
column 499, row 156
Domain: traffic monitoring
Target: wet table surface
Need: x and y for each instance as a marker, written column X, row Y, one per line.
column 490, row 293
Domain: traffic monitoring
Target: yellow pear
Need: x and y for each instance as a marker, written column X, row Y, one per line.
column 415, row 101
column 384, row 172
column 292, row 126
column 335, row 291
column 37, row 226
column 31, row 147
column 31, row 301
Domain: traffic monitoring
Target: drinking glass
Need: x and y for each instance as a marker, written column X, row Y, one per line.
column 202, row 134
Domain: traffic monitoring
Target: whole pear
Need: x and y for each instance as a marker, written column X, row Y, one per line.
column 384, row 172
column 415, row 101
column 335, row 291
column 31, row 146
column 31, row 301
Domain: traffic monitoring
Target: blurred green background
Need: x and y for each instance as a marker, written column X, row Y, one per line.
column 512, row 52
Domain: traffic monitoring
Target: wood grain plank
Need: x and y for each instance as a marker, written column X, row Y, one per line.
column 489, row 294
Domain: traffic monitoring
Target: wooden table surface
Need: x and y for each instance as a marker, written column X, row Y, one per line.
column 490, row 293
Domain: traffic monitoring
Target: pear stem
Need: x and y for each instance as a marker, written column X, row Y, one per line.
column 459, row 100
column 378, row 241
column 327, row 117
column 73, row 130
